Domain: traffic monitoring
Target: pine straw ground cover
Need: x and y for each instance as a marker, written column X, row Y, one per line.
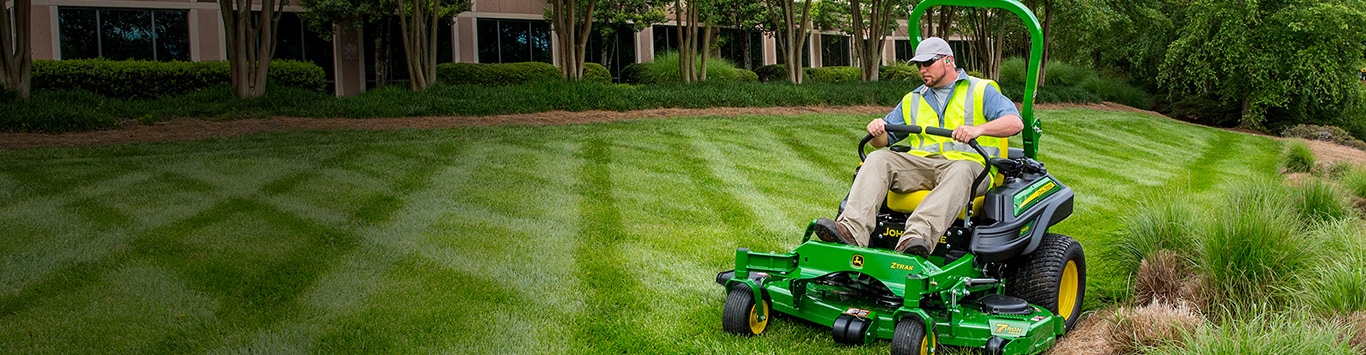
column 597, row 238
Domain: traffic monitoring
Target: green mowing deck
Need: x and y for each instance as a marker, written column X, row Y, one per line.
column 600, row 238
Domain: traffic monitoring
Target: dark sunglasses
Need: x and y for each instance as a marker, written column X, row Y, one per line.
column 929, row 62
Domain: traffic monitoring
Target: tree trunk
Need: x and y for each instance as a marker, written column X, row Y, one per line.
column 868, row 38
column 705, row 52
column 419, row 40
column 794, row 31
column 749, row 58
column 383, row 49
column 572, row 35
column 685, row 14
column 16, row 54
column 251, row 43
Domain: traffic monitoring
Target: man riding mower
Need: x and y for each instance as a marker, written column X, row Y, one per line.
column 938, row 267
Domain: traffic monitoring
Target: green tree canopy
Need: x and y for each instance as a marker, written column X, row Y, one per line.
column 1294, row 61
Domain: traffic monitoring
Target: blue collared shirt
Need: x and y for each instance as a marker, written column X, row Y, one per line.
column 994, row 105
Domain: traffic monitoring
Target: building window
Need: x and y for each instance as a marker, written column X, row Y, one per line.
column 615, row 52
column 742, row 48
column 294, row 40
column 665, row 39
column 904, row 52
column 513, row 41
column 834, row 50
column 805, row 52
column 161, row 35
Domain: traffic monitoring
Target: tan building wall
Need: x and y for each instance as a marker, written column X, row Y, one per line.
column 207, row 38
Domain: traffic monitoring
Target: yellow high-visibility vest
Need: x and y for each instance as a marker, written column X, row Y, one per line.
column 966, row 101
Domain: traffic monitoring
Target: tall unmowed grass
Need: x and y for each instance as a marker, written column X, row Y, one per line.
column 1320, row 201
column 1253, row 246
column 1164, row 222
column 1273, row 332
column 1298, row 158
column 1336, row 284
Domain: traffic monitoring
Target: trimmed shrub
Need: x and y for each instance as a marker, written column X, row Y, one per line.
column 1297, row 158
column 899, row 72
column 298, row 74
column 496, row 74
column 594, row 72
column 148, row 79
column 832, row 74
column 637, row 73
column 772, row 72
column 745, row 75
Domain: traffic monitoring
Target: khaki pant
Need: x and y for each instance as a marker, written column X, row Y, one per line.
column 883, row 170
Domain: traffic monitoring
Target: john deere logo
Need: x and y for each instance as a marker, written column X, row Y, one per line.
column 858, row 261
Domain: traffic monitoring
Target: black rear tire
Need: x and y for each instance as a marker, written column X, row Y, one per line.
column 741, row 314
column 1054, row 277
column 910, row 338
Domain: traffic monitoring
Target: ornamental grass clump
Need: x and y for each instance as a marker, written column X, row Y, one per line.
column 1319, row 201
column 1354, row 181
column 1298, row 158
column 1336, row 282
column 1163, row 223
column 1273, row 332
column 1254, row 246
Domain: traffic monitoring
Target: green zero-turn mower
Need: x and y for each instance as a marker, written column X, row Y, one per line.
column 997, row 280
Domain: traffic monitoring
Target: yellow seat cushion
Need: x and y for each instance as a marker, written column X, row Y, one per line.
column 905, row 202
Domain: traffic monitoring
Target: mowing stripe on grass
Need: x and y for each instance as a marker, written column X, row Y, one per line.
column 600, row 264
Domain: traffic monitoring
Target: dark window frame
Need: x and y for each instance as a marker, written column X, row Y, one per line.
column 537, row 40
column 151, row 29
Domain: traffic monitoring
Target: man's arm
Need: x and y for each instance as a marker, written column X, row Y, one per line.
column 1004, row 126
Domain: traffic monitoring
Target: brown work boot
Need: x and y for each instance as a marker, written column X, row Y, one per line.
column 915, row 246
column 832, row 232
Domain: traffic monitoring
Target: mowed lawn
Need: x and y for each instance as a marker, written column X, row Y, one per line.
column 600, row 238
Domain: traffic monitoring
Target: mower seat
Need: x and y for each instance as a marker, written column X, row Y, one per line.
column 906, row 202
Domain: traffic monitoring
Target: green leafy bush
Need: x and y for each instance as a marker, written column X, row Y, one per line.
column 637, row 73
column 595, row 72
column 298, row 74
column 899, row 72
column 148, row 79
column 772, row 72
column 1298, row 158
column 664, row 69
column 745, row 75
column 832, row 74
column 496, row 74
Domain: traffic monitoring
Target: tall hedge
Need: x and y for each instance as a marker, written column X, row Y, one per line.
column 149, row 79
